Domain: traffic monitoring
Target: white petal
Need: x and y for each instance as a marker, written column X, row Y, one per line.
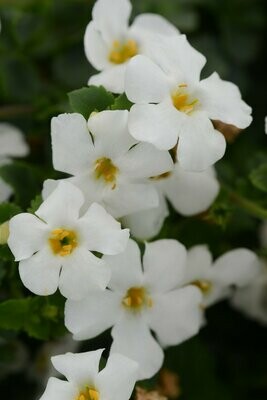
column 111, row 18
column 80, row 369
column 176, row 316
column 146, row 224
column 102, row 232
column 129, row 198
column 190, row 192
column 111, row 135
column 132, row 338
column 116, row 381
column 236, row 267
column 93, row 315
column 198, row 264
column 59, row 390
column 96, row 50
column 157, row 124
column 27, row 235
column 154, row 23
column 164, row 264
column 112, row 79
column 216, row 293
column 62, row 206
column 12, row 143
column 71, row 143
column 40, row 273
column 200, row 145
column 5, row 191
column 49, row 186
column 145, row 161
column 222, row 101
column 145, row 82
column 126, row 268
column 82, row 272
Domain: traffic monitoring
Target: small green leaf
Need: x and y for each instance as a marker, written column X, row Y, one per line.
column 258, row 177
column 7, row 211
column 35, row 204
column 92, row 98
column 122, row 103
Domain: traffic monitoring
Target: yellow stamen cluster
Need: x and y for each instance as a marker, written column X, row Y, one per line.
column 63, row 241
column 88, row 394
column 106, row 170
column 122, row 52
column 181, row 100
column 204, row 286
column 137, row 298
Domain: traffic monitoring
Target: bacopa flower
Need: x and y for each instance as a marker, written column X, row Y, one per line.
column 188, row 192
column 84, row 380
column 172, row 102
column 110, row 43
column 139, row 300
column 235, row 268
column 12, row 144
column 55, row 246
column 107, row 167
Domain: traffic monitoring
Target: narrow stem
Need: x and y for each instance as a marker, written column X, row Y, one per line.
column 7, row 112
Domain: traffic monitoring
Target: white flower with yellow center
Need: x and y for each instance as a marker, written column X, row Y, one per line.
column 84, row 380
column 189, row 193
column 110, row 43
column 173, row 103
column 12, row 144
column 55, row 246
column 215, row 279
column 141, row 299
column 107, row 167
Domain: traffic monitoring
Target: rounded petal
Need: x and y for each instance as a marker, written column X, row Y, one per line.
column 145, row 161
column 59, row 390
column 71, row 143
column 198, row 264
column 164, row 264
column 145, row 82
column 190, row 192
column 176, row 316
column 27, row 235
column 12, row 143
column 80, row 369
column 96, row 50
column 102, row 232
column 200, row 145
column 157, row 124
column 82, row 272
column 62, row 206
column 93, row 315
column 112, row 78
column 40, row 273
column 236, row 267
column 154, row 23
column 126, row 268
column 222, row 101
column 116, row 381
column 132, row 338
column 5, row 191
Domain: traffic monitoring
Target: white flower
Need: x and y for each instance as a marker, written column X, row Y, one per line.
column 12, row 144
column 108, row 169
column 109, row 41
column 84, row 381
column 188, row 192
column 172, row 102
column 234, row 268
column 140, row 299
column 54, row 247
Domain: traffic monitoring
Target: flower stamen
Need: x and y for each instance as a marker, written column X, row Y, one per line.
column 106, row 170
column 88, row 394
column 63, row 241
column 204, row 286
column 137, row 298
column 122, row 52
column 181, row 99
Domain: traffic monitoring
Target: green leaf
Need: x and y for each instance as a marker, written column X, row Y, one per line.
column 35, row 204
column 7, row 211
column 122, row 103
column 92, row 98
column 258, row 177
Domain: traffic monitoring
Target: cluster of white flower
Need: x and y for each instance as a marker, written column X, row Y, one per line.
column 128, row 165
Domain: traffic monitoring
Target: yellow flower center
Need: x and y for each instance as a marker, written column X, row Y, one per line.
column 63, row 241
column 182, row 101
column 88, row 394
column 137, row 298
column 204, row 286
column 106, row 170
column 122, row 52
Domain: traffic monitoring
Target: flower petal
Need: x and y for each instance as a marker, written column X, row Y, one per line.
column 12, row 143
column 164, row 264
column 59, row 390
column 132, row 338
column 27, row 235
column 5, row 191
column 222, row 101
column 112, row 79
column 71, row 143
column 40, row 273
column 154, row 23
column 200, row 145
column 176, row 316
column 96, row 49
column 198, row 264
